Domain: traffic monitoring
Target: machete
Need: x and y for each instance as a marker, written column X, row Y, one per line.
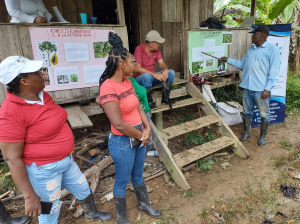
column 165, row 86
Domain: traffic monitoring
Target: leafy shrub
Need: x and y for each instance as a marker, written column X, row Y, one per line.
column 293, row 92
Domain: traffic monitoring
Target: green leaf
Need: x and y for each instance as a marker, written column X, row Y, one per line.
column 218, row 4
column 278, row 8
column 287, row 13
column 241, row 7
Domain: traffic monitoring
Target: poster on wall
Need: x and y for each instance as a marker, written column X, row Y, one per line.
column 72, row 58
column 210, row 42
column 280, row 37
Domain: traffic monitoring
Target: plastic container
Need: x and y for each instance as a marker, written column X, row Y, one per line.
column 152, row 153
column 83, row 18
column 93, row 20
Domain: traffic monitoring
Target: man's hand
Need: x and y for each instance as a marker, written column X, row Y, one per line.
column 160, row 77
column 165, row 73
column 265, row 94
column 33, row 206
column 40, row 19
column 223, row 59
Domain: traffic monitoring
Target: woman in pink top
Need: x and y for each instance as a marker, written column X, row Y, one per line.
column 127, row 119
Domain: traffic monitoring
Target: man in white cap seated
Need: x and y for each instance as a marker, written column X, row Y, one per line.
column 147, row 55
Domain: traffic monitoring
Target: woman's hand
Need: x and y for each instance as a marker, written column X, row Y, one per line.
column 33, row 206
column 146, row 137
column 40, row 19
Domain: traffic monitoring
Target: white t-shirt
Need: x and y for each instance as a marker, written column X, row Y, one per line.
column 25, row 11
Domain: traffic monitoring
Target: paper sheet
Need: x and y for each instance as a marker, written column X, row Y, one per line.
column 58, row 15
column 209, row 43
column 93, row 73
column 66, row 75
column 76, row 52
column 219, row 51
column 197, row 55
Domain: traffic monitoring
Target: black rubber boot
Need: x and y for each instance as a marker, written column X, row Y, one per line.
column 167, row 87
column 6, row 219
column 91, row 213
column 247, row 129
column 150, row 99
column 143, row 200
column 263, row 131
column 120, row 204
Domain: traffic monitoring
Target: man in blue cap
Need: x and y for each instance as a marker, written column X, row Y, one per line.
column 260, row 66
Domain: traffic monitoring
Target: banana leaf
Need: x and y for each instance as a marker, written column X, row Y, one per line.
column 287, row 13
column 278, row 8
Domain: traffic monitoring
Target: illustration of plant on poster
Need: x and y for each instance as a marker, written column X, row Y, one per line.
column 211, row 42
column 72, row 58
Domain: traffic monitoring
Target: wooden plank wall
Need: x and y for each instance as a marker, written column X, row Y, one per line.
column 152, row 13
column 200, row 10
column 15, row 40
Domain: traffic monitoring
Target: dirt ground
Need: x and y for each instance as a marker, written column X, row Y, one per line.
column 244, row 193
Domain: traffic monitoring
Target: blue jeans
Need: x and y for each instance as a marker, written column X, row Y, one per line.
column 48, row 180
column 128, row 162
column 149, row 146
column 251, row 98
column 147, row 80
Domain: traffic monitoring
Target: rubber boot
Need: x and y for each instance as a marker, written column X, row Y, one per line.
column 91, row 213
column 143, row 200
column 120, row 204
column 263, row 131
column 150, row 99
column 6, row 219
column 247, row 129
column 167, row 87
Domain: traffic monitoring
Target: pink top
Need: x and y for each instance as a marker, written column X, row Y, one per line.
column 144, row 60
column 123, row 92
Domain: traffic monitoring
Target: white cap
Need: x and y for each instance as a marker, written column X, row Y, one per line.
column 12, row 66
column 153, row 35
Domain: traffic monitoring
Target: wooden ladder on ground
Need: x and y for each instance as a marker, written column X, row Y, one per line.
column 175, row 163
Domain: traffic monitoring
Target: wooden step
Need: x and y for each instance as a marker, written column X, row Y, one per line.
column 181, row 103
column 174, row 93
column 186, row 127
column 201, row 151
column 77, row 117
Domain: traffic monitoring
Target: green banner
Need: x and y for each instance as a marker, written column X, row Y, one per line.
column 211, row 42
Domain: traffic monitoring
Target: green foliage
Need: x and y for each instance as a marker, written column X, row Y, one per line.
column 175, row 86
column 205, row 166
column 278, row 8
column 293, row 93
column 194, row 137
column 189, row 194
column 211, row 136
column 99, row 50
column 6, row 182
column 287, row 13
column 286, row 145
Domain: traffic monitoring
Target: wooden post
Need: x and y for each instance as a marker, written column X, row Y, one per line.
column 159, row 116
column 253, row 7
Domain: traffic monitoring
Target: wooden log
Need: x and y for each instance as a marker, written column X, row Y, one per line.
column 89, row 144
column 95, row 152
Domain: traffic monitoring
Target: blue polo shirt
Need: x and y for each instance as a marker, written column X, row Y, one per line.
column 260, row 65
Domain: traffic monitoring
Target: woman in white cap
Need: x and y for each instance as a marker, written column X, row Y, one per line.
column 38, row 144
column 28, row 11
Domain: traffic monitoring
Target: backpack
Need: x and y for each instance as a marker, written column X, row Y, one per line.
column 213, row 23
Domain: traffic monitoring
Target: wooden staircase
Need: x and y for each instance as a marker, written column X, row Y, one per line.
column 175, row 163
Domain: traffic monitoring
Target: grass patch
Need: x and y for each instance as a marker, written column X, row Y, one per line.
column 228, row 93
column 293, row 92
column 286, row 145
column 189, row 194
